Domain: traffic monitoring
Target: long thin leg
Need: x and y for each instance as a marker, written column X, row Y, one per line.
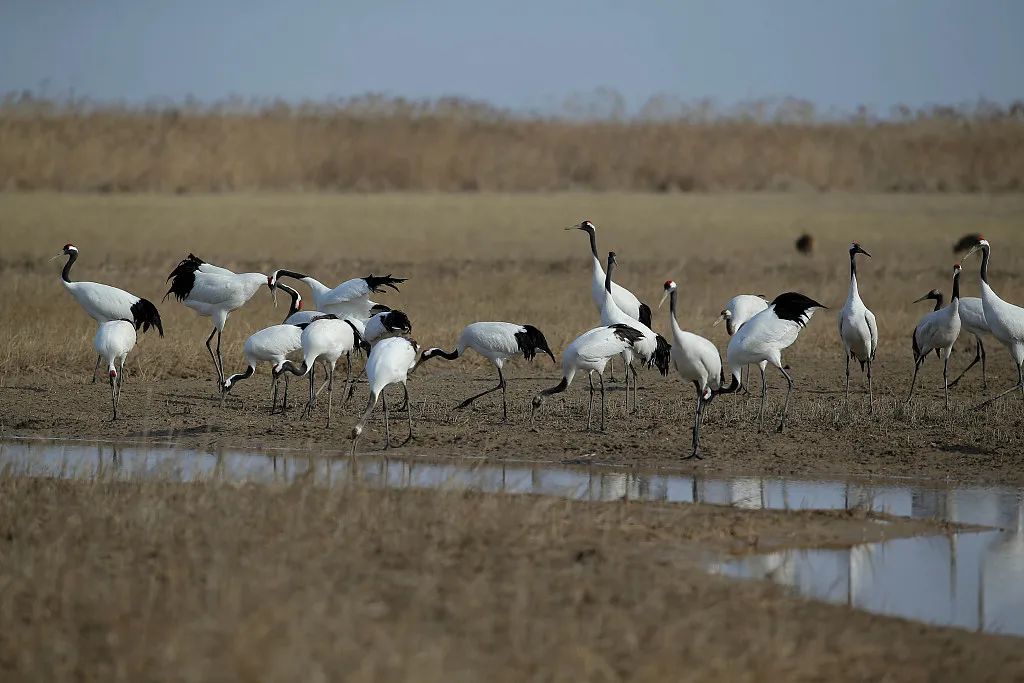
column 220, row 361
column 113, row 397
column 981, row 351
column 330, row 394
column 600, row 378
column 977, row 359
column 846, row 401
column 348, row 376
column 697, row 419
column 284, row 403
column 871, row 395
column 1018, row 385
column 945, row 377
column 500, row 385
column 213, row 357
column 785, row 405
column 409, row 408
column 308, row 410
column 387, row 426
column 745, row 378
column 590, row 404
column 636, row 407
column 120, row 380
column 913, row 381
column 273, row 392
column 97, row 368
column 371, row 403
column 504, row 400
column 760, row 409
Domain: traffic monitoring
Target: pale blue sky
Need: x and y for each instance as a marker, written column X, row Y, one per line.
column 523, row 54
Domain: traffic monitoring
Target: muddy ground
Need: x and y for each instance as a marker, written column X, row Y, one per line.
column 821, row 439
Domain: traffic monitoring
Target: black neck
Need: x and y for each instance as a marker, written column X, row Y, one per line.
column 240, row 376
column 956, row 286
column 289, row 366
column 853, row 265
column 984, row 263
column 557, row 389
column 294, row 308
column 291, row 273
column 433, row 353
column 939, row 300
column 593, row 242
column 608, row 276
column 72, row 257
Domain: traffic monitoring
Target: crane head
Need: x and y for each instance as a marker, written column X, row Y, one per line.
column 670, row 286
column 585, row 226
column 855, row 248
column 934, row 295
column 982, row 244
column 67, row 250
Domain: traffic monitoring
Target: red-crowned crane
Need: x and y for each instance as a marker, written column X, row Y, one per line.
column 390, row 362
column 696, row 360
column 590, row 353
column 114, row 340
column 1005, row 320
column 738, row 310
column 764, row 337
column 269, row 345
column 104, row 303
column 497, row 342
column 938, row 331
column 857, row 328
column 349, row 299
column 214, row 292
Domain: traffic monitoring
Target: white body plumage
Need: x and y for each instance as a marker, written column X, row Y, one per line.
column 113, row 341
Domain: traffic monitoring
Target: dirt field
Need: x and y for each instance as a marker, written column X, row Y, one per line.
column 160, row 581
column 506, row 257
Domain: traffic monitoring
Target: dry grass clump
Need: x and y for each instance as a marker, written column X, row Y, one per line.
column 375, row 144
column 129, row 581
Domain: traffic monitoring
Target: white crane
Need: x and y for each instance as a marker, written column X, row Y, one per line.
column 349, row 299
column 390, row 362
column 857, row 329
column 269, row 345
column 738, row 310
column 497, row 342
column 327, row 339
column 764, row 337
column 590, row 353
column 1005, row 321
column 937, row 332
column 114, row 340
column 104, row 303
column 652, row 349
column 624, row 298
column 214, row 292
column 696, row 360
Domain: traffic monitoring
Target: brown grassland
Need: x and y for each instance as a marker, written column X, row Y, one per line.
column 377, row 143
column 105, row 580
column 128, row 581
column 506, row 257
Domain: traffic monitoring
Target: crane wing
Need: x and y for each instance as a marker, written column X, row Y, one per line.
column 873, row 328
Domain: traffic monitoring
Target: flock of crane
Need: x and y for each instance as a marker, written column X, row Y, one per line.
column 346, row 320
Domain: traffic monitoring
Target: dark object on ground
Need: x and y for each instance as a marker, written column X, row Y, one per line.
column 805, row 244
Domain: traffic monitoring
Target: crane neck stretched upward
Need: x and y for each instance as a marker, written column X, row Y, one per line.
column 984, row 263
column 66, row 273
column 956, row 288
column 608, row 275
column 593, row 242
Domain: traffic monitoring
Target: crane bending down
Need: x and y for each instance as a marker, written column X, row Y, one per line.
column 651, row 349
column 214, row 292
column 104, row 303
column 857, row 328
column 696, row 360
column 937, row 332
column 326, row 338
column 497, row 342
column 764, row 337
column 349, row 299
column 590, row 353
column 113, row 341
column 390, row 362
column 269, row 345
column 1005, row 320
column 738, row 310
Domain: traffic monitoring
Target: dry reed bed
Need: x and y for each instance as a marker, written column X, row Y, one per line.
column 455, row 146
column 120, row 581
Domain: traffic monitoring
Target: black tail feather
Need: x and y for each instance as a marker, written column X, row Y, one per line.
column 183, row 277
column 627, row 333
column 396, row 321
column 376, row 282
column 662, row 355
column 145, row 315
column 645, row 314
column 531, row 340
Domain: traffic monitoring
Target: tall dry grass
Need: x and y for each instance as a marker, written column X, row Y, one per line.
column 129, row 581
column 375, row 144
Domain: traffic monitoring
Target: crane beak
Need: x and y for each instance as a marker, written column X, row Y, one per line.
column 971, row 251
column 572, row 227
column 663, row 297
column 718, row 321
column 273, row 293
column 54, row 258
column 921, row 299
column 861, row 251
